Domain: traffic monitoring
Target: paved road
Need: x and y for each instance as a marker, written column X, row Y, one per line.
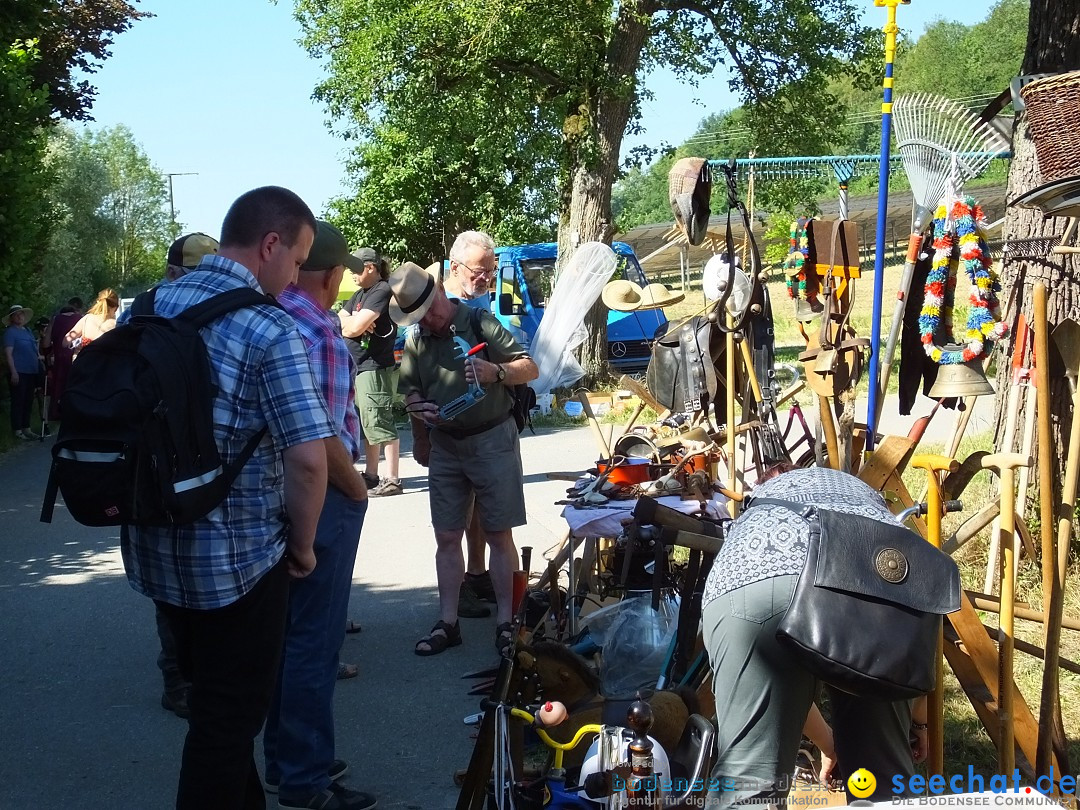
column 79, row 712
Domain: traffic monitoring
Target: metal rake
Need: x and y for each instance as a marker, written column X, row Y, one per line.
column 941, row 144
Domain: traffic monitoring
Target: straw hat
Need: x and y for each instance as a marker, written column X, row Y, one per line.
column 656, row 296
column 16, row 309
column 412, row 290
column 621, row 295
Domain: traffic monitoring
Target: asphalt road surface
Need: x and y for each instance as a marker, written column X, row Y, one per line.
column 80, row 717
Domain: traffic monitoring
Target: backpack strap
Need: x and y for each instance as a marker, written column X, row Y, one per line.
column 212, row 308
column 803, row 510
column 143, row 305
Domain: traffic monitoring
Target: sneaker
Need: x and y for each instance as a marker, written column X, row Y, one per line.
column 335, row 797
column 388, row 486
column 338, row 768
column 481, row 586
column 469, row 605
column 29, row 435
column 372, row 481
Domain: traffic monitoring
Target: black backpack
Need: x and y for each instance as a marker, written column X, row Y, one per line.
column 523, row 396
column 136, row 442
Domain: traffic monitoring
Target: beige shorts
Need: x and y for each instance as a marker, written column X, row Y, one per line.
column 487, row 464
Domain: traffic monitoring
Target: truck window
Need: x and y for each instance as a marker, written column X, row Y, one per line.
column 538, row 275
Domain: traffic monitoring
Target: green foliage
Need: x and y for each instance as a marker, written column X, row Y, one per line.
column 952, row 59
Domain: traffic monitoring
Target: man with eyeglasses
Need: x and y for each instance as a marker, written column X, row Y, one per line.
column 370, row 334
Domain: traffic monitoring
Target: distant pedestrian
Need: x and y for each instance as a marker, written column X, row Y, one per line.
column 21, row 351
column 95, row 323
column 62, row 323
column 370, row 336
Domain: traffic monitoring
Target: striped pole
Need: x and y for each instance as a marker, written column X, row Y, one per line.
column 891, row 30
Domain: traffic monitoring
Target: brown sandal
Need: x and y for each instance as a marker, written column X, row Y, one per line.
column 441, row 637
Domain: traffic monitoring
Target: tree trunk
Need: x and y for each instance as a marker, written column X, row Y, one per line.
column 1053, row 45
column 594, row 135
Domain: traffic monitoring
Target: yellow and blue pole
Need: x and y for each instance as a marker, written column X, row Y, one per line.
column 891, row 30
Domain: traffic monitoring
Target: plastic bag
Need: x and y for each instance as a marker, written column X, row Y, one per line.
column 634, row 639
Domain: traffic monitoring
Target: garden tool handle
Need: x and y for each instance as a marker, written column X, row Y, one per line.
column 1006, row 461
column 935, row 463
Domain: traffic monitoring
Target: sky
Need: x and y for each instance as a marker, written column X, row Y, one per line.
column 221, row 89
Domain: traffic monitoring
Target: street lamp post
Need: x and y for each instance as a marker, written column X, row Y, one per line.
column 172, row 208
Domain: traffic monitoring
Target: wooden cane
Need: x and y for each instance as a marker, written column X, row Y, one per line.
column 832, row 443
column 1006, row 465
column 1048, row 707
column 729, row 370
column 935, row 703
column 598, row 434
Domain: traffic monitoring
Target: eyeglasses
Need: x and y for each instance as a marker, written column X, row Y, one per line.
column 476, row 270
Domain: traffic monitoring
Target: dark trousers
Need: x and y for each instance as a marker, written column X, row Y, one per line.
column 173, row 681
column 22, row 398
column 230, row 656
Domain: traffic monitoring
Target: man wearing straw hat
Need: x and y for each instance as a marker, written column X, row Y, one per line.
column 476, row 451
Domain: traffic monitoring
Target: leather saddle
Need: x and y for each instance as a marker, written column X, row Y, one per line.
column 682, row 369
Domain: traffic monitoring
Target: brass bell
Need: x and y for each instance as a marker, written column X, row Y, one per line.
column 961, row 379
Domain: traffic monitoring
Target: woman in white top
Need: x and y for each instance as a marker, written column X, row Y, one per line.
column 98, row 320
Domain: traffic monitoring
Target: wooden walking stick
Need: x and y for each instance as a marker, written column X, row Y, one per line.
column 1049, row 707
column 1006, row 465
column 935, row 703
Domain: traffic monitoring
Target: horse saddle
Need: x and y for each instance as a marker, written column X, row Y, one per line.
column 682, row 369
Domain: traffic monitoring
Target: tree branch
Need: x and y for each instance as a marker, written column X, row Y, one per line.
column 548, row 78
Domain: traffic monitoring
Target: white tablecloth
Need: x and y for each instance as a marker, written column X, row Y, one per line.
column 607, row 520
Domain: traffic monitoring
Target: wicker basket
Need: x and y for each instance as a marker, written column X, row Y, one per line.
column 1053, row 109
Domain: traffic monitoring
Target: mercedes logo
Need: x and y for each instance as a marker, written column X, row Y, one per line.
column 618, row 349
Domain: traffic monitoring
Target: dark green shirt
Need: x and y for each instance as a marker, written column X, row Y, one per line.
column 432, row 366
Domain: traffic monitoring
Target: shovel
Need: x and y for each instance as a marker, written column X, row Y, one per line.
column 1066, row 337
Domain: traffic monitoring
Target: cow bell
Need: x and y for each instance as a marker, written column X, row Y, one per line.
column 961, row 380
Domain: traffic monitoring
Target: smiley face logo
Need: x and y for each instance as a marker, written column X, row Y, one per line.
column 861, row 783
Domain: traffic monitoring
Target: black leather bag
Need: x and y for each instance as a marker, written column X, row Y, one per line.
column 866, row 611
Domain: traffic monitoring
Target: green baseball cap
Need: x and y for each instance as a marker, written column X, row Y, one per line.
column 329, row 250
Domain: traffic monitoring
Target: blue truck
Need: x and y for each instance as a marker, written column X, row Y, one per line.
column 525, row 276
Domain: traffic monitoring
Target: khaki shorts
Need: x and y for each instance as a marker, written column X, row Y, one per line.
column 487, row 464
column 375, row 400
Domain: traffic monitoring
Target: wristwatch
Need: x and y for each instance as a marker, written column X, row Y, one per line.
column 500, row 375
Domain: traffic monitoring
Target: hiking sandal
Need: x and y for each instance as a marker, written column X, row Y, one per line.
column 441, row 637
column 504, row 637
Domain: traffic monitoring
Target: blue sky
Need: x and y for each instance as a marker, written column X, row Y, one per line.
column 221, row 88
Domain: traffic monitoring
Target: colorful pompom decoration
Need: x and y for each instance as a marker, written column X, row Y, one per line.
column 797, row 286
column 966, row 243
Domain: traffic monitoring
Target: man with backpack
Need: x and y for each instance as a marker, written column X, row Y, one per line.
column 222, row 581
column 475, row 451
column 299, row 736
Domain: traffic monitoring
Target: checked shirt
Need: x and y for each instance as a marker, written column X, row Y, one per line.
column 260, row 366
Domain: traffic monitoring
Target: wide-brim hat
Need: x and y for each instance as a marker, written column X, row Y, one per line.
column 621, row 295
column 412, row 289
column 1060, row 198
column 657, row 296
column 15, row 309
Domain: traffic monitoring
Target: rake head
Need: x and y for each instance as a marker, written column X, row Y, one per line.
column 940, row 141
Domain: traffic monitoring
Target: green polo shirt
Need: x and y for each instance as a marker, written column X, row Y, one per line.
column 432, row 366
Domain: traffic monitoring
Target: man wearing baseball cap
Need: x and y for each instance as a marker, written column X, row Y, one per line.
column 299, row 737
column 186, row 253
column 370, row 335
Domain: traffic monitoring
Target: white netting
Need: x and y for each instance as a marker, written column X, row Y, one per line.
column 562, row 329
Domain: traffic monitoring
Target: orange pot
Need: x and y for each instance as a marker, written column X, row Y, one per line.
column 629, row 473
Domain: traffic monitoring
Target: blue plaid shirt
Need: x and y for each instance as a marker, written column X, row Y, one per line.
column 264, row 379
column 331, row 363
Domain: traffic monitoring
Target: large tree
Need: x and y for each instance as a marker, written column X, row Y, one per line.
column 569, row 73
column 1053, row 45
column 47, row 49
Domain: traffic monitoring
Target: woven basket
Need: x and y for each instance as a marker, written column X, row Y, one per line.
column 1053, row 109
